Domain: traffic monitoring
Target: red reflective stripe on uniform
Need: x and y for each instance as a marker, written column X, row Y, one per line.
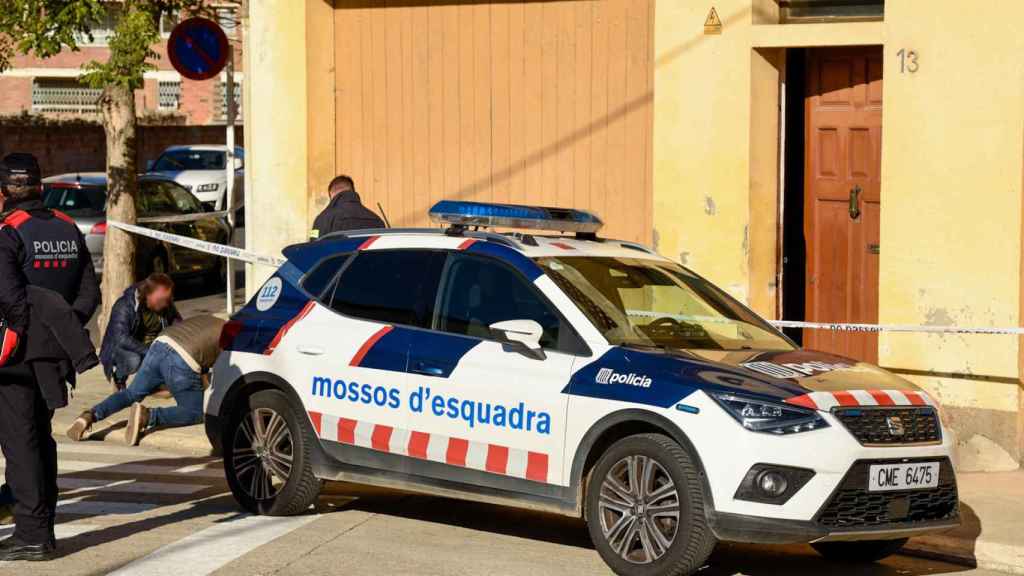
column 367, row 243
column 17, row 218
column 37, row 264
column 46, row 264
column 537, row 467
column 845, row 399
column 457, row 449
column 466, row 243
column 915, row 398
column 497, row 459
column 346, row 431
column 882, row 397
column 561, row 245
column 418, row 442
column 288, row 326
column 8, row 346
column 63, row 216
column 317, row 419
column 381, row 437
column 365, row 348
column 806, row 401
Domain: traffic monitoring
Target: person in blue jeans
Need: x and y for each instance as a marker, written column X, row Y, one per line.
column 176, row 360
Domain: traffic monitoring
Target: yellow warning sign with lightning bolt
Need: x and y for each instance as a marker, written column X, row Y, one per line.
column 713, row 24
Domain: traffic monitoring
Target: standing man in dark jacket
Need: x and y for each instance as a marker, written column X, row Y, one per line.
column 25, row 429
column 345, row 211
column 136, row 319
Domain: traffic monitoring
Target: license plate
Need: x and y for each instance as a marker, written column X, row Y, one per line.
column 888, row 477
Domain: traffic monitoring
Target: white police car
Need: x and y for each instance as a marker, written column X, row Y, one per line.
column 572, row 374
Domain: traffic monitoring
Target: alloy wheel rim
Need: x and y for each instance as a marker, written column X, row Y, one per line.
column 263, row 453
column 639, row 509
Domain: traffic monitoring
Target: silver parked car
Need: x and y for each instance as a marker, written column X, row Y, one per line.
column 83, row 197
column 201, row 169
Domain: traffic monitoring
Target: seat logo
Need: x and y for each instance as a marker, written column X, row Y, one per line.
column 895, row 424
column 609, row 376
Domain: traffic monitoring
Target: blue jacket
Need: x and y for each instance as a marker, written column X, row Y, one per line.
column 124, row 321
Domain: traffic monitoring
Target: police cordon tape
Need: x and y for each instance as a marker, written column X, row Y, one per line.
column 254, row 258
column 199, row 245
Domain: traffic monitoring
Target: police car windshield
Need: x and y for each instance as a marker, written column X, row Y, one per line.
column 651, row 303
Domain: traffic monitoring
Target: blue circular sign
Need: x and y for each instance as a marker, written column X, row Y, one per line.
column 198, row 48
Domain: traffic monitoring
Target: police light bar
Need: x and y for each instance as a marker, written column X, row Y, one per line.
column 460, row 213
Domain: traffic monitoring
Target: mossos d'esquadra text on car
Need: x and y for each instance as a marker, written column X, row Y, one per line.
column 560, row 371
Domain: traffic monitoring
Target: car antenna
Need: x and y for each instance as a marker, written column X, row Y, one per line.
column 381, row 208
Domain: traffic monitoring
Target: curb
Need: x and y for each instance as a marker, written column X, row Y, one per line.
column 978, row 553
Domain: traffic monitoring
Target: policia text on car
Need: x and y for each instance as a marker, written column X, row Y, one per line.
column 41, row 252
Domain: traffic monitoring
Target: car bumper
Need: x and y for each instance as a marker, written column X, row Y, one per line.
column 753, row 529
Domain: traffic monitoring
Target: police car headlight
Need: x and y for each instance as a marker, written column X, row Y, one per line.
column 769, row 417
column 207, row 188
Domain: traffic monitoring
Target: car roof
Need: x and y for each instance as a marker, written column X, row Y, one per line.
column 215, row 147
column 528, row 245
column 98, row 179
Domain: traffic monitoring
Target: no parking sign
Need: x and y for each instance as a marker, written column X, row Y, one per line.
column 198, row 48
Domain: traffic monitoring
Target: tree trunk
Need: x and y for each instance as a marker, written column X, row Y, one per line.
column 119, row 123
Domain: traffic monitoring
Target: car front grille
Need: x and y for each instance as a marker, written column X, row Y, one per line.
column 892, row 426
column 852, row 507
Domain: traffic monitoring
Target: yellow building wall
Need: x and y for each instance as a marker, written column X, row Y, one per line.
column 953, row 144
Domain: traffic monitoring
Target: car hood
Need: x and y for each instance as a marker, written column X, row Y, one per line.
column 193, row 178
column 664, row 378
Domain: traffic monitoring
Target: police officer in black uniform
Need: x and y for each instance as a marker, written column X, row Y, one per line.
column 46, row 249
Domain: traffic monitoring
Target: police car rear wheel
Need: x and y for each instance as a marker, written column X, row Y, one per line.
column 267, row 457
column 645, row 508
column 861, row 552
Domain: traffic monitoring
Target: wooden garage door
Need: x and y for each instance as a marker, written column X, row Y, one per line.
column 538, row 103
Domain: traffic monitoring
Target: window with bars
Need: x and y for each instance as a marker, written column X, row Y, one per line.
column 825, row 10
column 64, row 95
column 102, row 30
column 222, row 102
column 169, row 94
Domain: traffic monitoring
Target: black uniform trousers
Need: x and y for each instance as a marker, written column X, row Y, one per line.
column 27, row 440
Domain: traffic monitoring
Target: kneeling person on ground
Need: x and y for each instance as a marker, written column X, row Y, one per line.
column 136, row 319
column 177, row 359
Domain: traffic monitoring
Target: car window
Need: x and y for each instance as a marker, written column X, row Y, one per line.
column 479, row 292
column 393, row 286
column 323, row 274
column 86, row 201
column 166, row 198
column 177, row 160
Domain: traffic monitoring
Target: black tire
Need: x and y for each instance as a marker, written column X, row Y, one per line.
column 859, row 552
column 157, row 262
column 218, row 275
column 259, row 481
column 691, row 539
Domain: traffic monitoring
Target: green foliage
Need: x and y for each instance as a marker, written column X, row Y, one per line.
column 45, row 27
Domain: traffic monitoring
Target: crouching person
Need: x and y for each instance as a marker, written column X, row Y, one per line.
column 178, row 359
column 136, row 319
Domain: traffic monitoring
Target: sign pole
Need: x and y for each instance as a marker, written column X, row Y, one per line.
column 229, row 193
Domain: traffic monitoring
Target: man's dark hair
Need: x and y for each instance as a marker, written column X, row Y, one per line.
column 341, row 183
column 154, row 281
column 20, row 176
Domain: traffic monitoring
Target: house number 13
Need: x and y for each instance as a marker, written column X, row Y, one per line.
column 908, row 61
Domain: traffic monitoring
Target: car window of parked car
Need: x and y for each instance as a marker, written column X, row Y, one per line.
column 393, row 286
column 166, row 198
column 479, row 292
column 178, row 160
column 317, row 280
column 76, row 202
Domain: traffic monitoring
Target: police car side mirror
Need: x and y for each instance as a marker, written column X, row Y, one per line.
column 522, row 336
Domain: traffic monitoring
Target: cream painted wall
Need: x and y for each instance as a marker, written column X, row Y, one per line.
column 953, row 145
column 276, row 130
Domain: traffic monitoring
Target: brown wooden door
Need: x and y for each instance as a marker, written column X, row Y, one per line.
column 842, row 189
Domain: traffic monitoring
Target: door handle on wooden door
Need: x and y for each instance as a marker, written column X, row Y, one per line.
column 855, row 202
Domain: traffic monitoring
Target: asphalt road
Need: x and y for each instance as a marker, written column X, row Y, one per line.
column 140, row 512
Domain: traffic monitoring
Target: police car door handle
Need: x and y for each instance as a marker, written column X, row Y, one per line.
column 425, row 369
column 310, row 350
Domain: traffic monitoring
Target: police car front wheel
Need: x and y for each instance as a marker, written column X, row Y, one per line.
column 267, row 454
column 645, row 508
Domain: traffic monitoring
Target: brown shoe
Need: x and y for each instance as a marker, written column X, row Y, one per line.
column 138, row 419
column 79, row 430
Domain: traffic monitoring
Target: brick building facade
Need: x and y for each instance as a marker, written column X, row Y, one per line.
column 46, row 111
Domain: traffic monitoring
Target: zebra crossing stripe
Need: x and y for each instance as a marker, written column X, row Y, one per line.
column 135, row 468
column 209, row 549
column 126, row 486
column 81, row 507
